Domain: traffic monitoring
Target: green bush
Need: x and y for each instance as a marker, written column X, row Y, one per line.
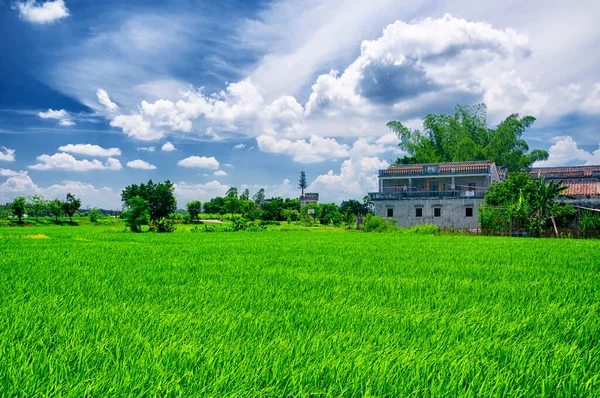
column 378, row 224
column 162, row 225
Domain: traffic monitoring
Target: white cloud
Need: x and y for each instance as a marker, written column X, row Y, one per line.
column 592, row 102
column 22, row 185
column 64, row 161
column 228, row 165
column 61, row 115
column 168, row 147
column 140, row 164
column 239, row 146
column 203, row 192
column 202, row 162
column 316, row 149
column 104, row 99
column 6, row 154
column 146, row 149
column 220, row 173
column 566, row 152
column 90, row 150
column 9, row 173
column 357, row 177
column 48, row 12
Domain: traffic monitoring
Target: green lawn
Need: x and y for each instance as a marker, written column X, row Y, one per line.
column 95, row 311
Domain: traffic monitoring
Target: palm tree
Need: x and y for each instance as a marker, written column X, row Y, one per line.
column 544, row 196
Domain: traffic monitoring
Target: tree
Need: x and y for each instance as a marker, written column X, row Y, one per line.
column 259, row 197
column 465, row 136
column 354, row 207
column 302, row 184
column 94, row 215
column 18, row 207
column 232, row 192
column 194, row 208
column 245, row 195
column 329, row 213
column 215, row 206
column 55, row 207
column 160, row 197
column 71, row 206
column 37, row 205
column 232, row 204
column 137, row 213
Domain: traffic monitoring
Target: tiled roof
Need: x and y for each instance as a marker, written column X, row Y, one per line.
column 583, row 189
column 565, row 172
column 457, row 167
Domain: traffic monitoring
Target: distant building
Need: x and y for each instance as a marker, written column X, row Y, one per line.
column 308, row 198
column 583, row 182
column 444, row 194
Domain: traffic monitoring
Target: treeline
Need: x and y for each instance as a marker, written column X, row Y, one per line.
column 36, row 206
column 154, row 204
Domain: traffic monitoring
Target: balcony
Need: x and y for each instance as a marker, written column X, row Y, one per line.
column 435, row 171
column 374, row 196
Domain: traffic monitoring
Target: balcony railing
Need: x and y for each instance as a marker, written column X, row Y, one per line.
column 434, row 170
column 426, row 195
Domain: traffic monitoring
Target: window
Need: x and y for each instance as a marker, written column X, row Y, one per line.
column 468, row 212
column 433, row 186
column 471, row 186
column 390, row 212
column 418, row 212
column 437, row 211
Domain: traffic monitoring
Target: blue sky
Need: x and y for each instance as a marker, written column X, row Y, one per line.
column 238, row 93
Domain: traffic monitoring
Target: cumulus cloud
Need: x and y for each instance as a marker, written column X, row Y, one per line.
column 140, row 164
column 566, row 152
column 105, row 100
column 413, row 59
column 592, row 102
column 64, row 161
column 228, row 165
column 90, row 150
column 167, row 147
column 201, row 162
column 146, row 149
column 48, row 12
column 203, row 192
column 6, row 154
column 61, row 115
column 9, row 173
column 239, row 146
column 315, row 149
column 357, row 177
column 220, row 173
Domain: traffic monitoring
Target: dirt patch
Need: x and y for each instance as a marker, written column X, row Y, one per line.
column 36, row 236
column 211, row 222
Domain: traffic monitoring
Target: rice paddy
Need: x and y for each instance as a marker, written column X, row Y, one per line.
column 93, row 311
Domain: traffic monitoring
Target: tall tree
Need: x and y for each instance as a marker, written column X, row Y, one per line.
column 232, row 192
column 194, row 208
column 71, row 206
column 137, row 213
column 18, row 207
column 302, row 184
column 259, row 197
column 160, row 197
column 464, row 136
column 245, row 195
column 37, row 205
column 55, row 207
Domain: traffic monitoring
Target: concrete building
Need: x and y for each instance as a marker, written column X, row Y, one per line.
column 308, row 198
column 444, row 194
column 583, row 182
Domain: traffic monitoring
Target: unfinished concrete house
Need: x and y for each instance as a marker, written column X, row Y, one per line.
column 444, row 194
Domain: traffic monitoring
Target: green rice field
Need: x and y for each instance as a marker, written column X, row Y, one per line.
column 94, row 311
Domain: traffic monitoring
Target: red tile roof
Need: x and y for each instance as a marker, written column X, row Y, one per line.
column 565, row 172
column 583, row 189
column 480, row 165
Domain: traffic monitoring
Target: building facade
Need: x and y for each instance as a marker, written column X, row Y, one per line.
column 444, row 194
column 583, row 182
column 308, row 198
